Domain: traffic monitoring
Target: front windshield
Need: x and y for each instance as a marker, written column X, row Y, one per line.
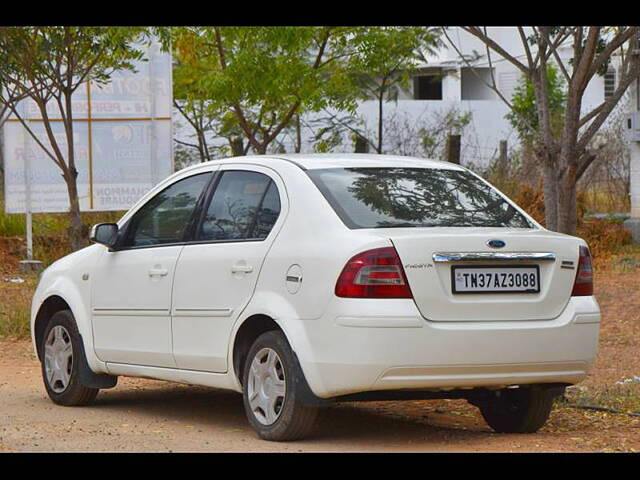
column 414, row 197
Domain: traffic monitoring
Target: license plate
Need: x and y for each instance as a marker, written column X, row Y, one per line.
column 508, row 279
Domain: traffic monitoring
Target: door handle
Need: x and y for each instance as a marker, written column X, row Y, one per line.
column 158, row 272
column 239, row 268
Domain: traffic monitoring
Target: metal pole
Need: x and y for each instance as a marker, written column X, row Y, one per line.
column 29, row 265
column 90, row 144
column 27, row 183
column 170, row 89
column 29, row 236
column 153, row 145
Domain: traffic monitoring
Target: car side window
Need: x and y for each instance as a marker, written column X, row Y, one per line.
column 164, row 218
column 244, row 206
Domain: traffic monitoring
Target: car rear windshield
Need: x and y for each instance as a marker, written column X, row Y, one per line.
column 414, row 197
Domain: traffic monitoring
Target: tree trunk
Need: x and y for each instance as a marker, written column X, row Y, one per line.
column 237, row 146
column 1, row 148
column 298, row 145
column 567, row 207
column 503, row 160
column 380, row 105
column 77, row 231
column 362, row 145
column 202, row 147
column 546, row 147
column 550, row 196
column 568, row 163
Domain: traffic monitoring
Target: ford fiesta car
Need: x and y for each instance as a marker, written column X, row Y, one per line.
column 304, row 280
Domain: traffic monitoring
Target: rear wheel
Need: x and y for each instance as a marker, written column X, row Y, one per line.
column 518, row 410
column 61, row 362
column 271, row 393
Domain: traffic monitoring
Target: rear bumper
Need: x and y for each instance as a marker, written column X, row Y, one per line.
column 374, row 345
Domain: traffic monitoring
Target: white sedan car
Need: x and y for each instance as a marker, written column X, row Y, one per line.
column 301, row 280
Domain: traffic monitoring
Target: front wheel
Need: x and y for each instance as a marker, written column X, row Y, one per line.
column 270, row 392
column 61, row 362
column 518, row 410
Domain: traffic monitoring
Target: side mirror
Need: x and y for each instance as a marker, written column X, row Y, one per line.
column 104, row 233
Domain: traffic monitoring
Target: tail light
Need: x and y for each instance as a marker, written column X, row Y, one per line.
column 375, row 273
column 583, row 284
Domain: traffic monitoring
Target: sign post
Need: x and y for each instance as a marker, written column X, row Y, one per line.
column 28, row 265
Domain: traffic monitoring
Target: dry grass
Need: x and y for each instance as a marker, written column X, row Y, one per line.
column 15, row 305
column 599, row 200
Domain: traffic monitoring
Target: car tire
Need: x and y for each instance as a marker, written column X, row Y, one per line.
column 270, row 391
column 60, row 350
column 518, row 410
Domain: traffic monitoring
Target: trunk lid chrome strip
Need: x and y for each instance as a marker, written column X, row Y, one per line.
column 449, row 257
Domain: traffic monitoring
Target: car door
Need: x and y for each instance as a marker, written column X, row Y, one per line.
column 217, row 273
column 131, row 294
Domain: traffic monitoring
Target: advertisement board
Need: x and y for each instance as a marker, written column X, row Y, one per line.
column 122, row 143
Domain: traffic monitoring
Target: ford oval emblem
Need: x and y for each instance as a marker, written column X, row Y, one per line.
column 496, row 243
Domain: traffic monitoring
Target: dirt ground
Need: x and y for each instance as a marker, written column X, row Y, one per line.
column 148, row 415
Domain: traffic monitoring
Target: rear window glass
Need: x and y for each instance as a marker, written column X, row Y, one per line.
column 414, row 197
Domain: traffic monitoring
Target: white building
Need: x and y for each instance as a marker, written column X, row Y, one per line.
column 448, row 81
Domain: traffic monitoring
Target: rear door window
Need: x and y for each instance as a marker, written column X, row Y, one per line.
column 244, row 206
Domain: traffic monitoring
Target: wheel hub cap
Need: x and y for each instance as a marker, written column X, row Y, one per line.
column 58, row 358
column 266, row 386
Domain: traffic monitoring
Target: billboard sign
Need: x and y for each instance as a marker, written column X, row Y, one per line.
column 122, row 143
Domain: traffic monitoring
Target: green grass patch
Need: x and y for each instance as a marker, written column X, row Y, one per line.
column 14, row 224
column 622, row 397
column 11, row 225
column 15, row 306
column 14, row 323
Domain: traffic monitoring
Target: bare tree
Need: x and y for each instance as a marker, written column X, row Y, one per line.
column 567, row 156
column 201, row 124
column 207, row 123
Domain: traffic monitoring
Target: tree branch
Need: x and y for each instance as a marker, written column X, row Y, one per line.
column 631, row 74
column 493, row 87
column 476, row 32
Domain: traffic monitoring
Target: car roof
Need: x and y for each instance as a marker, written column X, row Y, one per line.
column 313, row 161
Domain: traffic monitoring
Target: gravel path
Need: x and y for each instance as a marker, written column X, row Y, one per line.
column 149, row 415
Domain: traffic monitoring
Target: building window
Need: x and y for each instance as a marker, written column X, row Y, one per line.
column 475, row 84
column 427, row 87
column 507, row 83
column 609, row 83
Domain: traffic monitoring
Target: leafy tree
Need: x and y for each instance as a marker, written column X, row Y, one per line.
column 433, row 136
column 47, row 65
column 196, row 113
column 264, row 76
column 523, row 115
column 383, row 65
column 269, row 77
column 387, row 56
column 204, row 115
column 566, row 156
